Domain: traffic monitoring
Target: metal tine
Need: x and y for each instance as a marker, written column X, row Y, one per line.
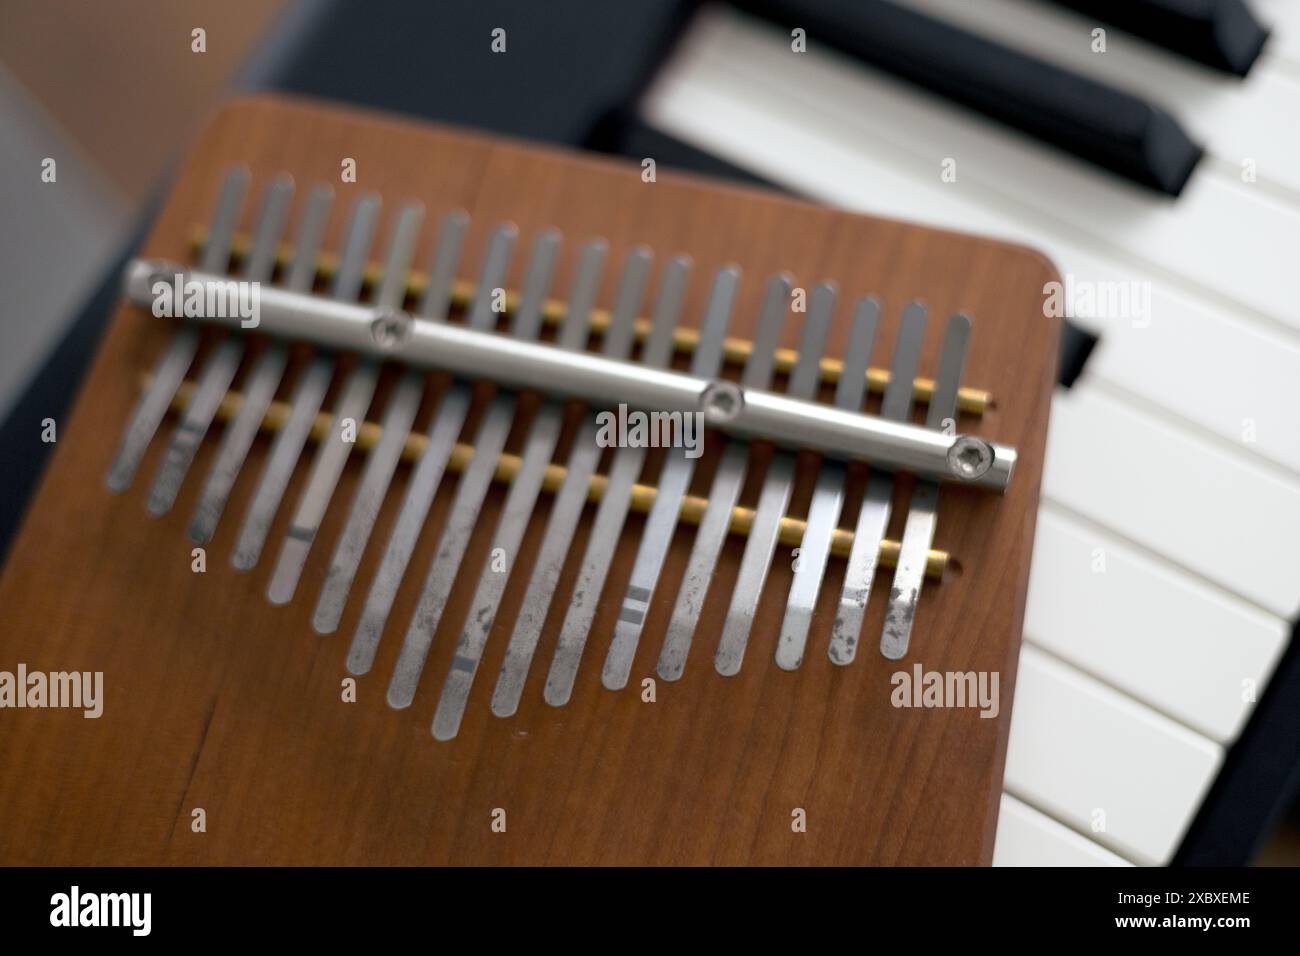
column 543, row 436
column 311, row 387
column 263, row 380
column 396, row 426
column 358, row 392
column 380, row 465
column 624, row 470
column 214, row 381
column 873, row 517
column 827, row 498
column 675, row 476
column 727, row 482
column 918, row 533
column 488, row 443
column 774, row 496
column 584, row 457
column 443, row 431
column 175, row 361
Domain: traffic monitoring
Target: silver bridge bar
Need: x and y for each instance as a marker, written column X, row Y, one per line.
column 596, row 379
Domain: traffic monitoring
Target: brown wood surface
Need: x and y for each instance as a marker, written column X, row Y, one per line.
column 215, row 699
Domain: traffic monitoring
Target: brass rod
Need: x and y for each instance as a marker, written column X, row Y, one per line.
column 643, row 496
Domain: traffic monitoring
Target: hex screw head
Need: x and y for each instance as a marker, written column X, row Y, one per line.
column 970, row 458
column 722, row 401
column 390, row 329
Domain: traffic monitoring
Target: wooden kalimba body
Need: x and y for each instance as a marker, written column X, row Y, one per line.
column 381, row 513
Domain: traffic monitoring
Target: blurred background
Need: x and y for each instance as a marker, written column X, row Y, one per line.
column 114, row 92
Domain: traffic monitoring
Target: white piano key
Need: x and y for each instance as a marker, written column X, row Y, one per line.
column 1186, row 649
column 1104, row 764
column 1232, row 377
column 1223, row 237
column 1234, row 119
column 1229, row 520
column 1168, row 356
column 1283, row 18
column 1028, row 838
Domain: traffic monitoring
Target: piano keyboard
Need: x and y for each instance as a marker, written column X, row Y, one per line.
column 1160, row 593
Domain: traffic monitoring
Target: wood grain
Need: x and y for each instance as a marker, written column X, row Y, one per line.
column 215, row 699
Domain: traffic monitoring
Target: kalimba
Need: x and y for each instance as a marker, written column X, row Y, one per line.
column 645, row 496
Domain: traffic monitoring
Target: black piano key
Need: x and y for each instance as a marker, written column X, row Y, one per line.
column 1260, row 778
column 1077, row 344
column 622, row 132
column 1087, row 119
column 1223, row 34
